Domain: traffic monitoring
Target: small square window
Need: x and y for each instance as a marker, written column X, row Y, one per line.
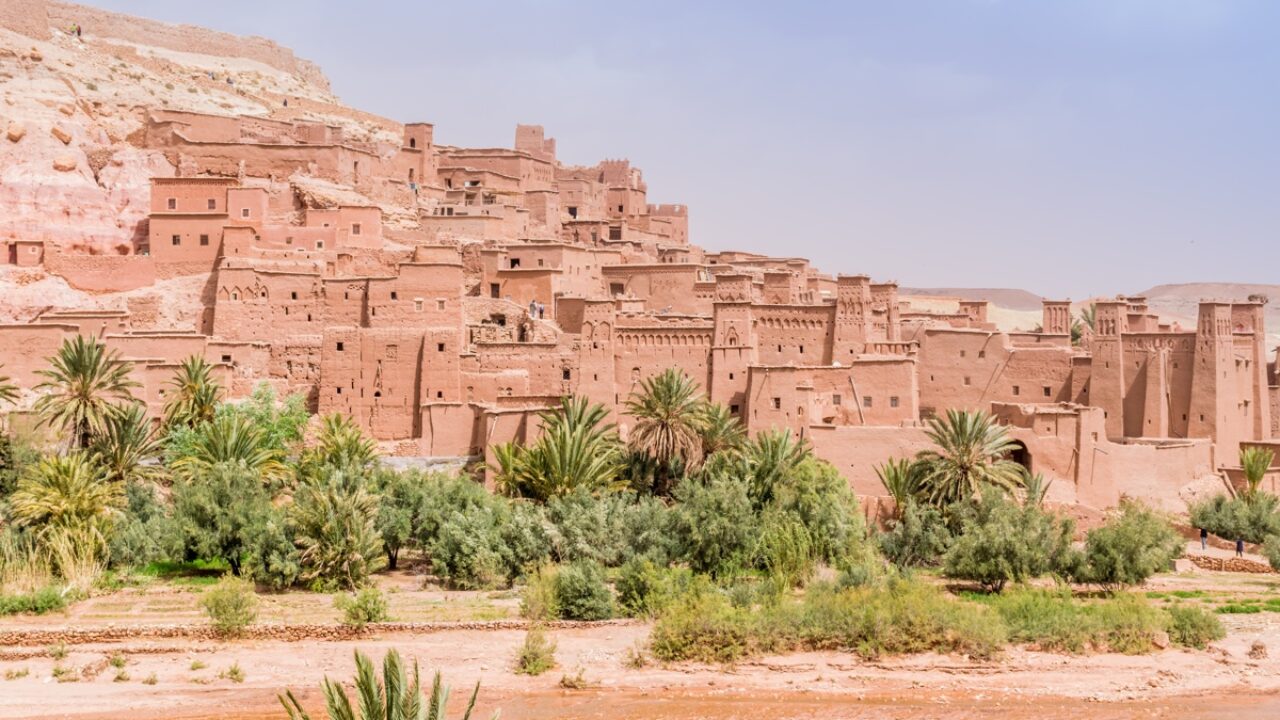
column 244, row 212
column 1017, row 390
column 866, row 401
column 213, row 204
column 733, row 409
column 439, row 304
column 339, row 389
column 982, row 354
column 176, row 239
column 893, row 401
column 341, row 346
column 355, row 228
column 730, row 376
column 439, row 347
column 439, row 394
column 293, row 295
column 417, row 305
column 204, row 239
column 1048, row 391
column 173, row 203
column 836, row 399
column 966, row 380
column 963, row 353
column 227, row 359
column 777, row 403
column 394, row 296
column 565, row 374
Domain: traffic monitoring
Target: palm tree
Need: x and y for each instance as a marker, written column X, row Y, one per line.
column 85, row 380
column 971, row 453
column 668, row 412
column 721, row 431
column 195, row 394
column 127, row 442
column 233, row 440
column 1088, row 316
column 67, row 493
column 901, row 479
column 577, row 450
column 341, row 443
column 397, row 697
column 769, row 460
column 335, row 517
column 8, row 391
column 1255, row 461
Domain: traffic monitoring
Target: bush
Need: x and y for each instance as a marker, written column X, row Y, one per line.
column 899, row 617
column 144, row 534
column 537, row 655
column 1271, row 549
column 581, row 592
column 715, row 525
column 1002, row 541
column 538, row 599
column 785, row 550
column 1193, row 627
column 36, row 603
column 1251, row 519
column 334, row 517
column 231, row 605
column 919, row 537
column 816, row 494
column 399, row 498
column 1052, row 620
column 367, row 605
column 459, row 528
column 645, row 588
column 1128, row 549
column 609, row 529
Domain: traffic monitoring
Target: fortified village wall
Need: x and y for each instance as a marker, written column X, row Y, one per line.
column 442, row 296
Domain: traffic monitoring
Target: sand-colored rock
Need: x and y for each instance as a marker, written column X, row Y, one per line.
column 65, row 162
column 16, row 131
column 62, row 135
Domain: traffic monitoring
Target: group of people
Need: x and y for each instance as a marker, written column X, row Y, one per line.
column 537, row 309
column 74, row 30
column 1204, row 543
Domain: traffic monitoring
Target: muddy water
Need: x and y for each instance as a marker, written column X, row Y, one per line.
column 631, row 705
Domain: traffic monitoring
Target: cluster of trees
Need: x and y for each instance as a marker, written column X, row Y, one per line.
column 1251, row 515
column 968, row 508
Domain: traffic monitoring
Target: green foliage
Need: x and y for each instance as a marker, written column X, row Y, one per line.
column 144, row 533
column 770, row 460
column 970, row 455
column 80, row 387
column 334, row 517
column 901, row 479
column 609, row 528
column 67, row 493
column 8, row 391
column 581, row 592
column 1254, row 461
column 918, row 537
column 127, row 445
column 1251, row 519
column 41, row 601
column 460, row 530
column 340, row 443
column 1052, row 620
column 1001, row 541
column 399, row 498
column 366, row 605
column 720, row 430
column 16, row 456
column 668, row 414
column 900, row 617
column 230, row 440
column 646, row 589
column 538, row 653
column 1131, row 547
column 784, row 548
column 817, row 495
column 577, row 449
column 1193, row 627
column 1271, row 549
column 194, row 394
column 231, row 606
column 538, row 599
column 224, row 512
column 398, row 696
column 715, row 525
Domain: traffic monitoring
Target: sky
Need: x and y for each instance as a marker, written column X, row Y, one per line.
column 1069, row 147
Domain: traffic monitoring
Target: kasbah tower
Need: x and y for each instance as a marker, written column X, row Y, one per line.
column 443, row 296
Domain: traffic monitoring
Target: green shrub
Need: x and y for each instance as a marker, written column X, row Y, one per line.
column 645, row 588
column 1001, row 541
column 1053, row 620
column 144, row 533
column 919, row 537
column 609, row 528
column 820, row 498
column 1271, row 549
column 1131, row 547
column 524, row 538
column 399, row 498
column 715, row 525
column 458, row 526
column 538, row 599
column 366, row 605
column 1193, row 627
column 334, row 517
column 1251, row 519
column 537, row 655
column 785, row 549
column 231, row 605
column 39, row 602
column 581, row 592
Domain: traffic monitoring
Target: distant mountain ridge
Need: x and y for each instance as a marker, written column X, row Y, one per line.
column 1011, row 298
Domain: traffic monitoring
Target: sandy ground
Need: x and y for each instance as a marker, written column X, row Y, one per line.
column 190, row 677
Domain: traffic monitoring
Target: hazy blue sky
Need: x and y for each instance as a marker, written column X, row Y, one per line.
column 1072, row 147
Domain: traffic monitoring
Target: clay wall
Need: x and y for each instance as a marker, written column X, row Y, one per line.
column 660, row 286
column 643, row 352
column 793, row 334
column 371, row 374
column 970, row 369
column 870, row 392
column 103, row 273
column 27, row 349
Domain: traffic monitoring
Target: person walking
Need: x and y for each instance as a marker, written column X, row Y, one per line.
column 1239, row 548
column 1204, row 539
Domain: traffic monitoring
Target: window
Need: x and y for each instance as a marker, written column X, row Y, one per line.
column 730, row 376
column 439, row 304
column 963, row 353
column 494, row 290
column 565, row 374
column 540, row 262
column 836, row 399
column 515, row 263
column 244, row 212
column 319, row 244
column 801, row 349
column 866, row 401
column 439, row 347
column 893, row 401
column 615, row 233
column 573, row 211
column 619, row 208
column 439, row 394
column 227, row 359
column 173, row 203
column 982, row 354
column 413, row 142
column 355, row 228
column 293, row 295
column 1048, row 391
column 204, row 239
column 1017, row 390
column 213, row 204
column 394, row 296
column 966, row 380
column 417, row 305
column 777, row 403
column 177, row 239
column 733, row 409
column 341, row 347
column 339, row 389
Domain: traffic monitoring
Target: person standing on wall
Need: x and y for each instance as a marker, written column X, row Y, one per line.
column 1204, row 539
